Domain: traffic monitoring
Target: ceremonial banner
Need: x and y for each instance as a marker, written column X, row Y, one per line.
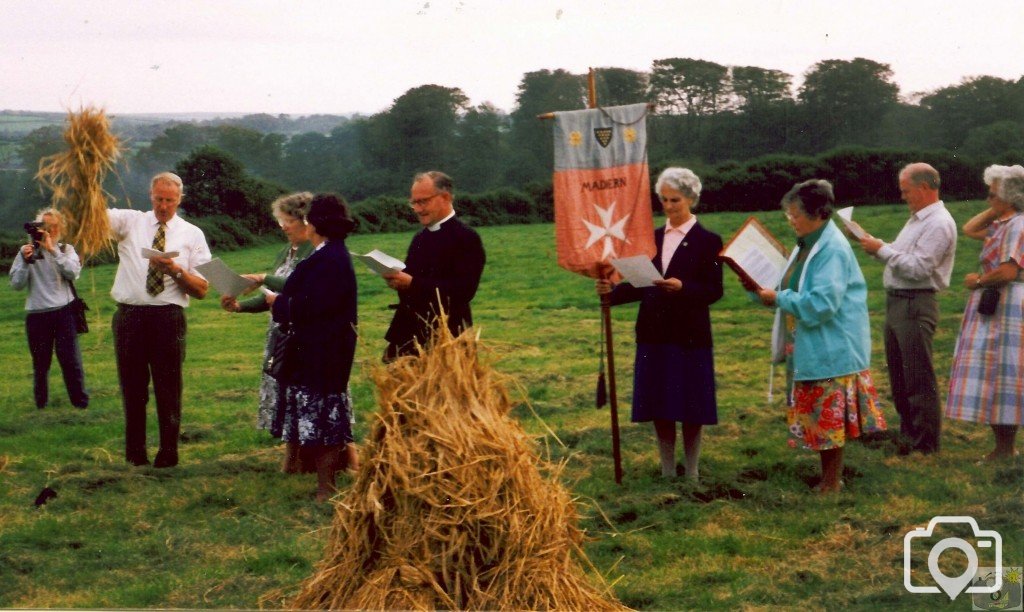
column 602, row 187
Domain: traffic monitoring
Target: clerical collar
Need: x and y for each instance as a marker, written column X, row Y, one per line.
column 433, row 227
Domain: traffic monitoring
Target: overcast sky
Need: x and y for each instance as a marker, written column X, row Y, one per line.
column 316, row 56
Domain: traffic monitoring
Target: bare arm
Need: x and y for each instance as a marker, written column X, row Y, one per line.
column 192, row 284
column 977, row 226
column 1005, row 273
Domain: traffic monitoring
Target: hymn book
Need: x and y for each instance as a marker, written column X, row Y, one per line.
column 380, row 262
column 756, row 255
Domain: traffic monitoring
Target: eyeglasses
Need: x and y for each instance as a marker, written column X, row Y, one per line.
column 423, row 201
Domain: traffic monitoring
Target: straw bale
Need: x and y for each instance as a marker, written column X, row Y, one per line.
column 75, row 176
column 450, row 509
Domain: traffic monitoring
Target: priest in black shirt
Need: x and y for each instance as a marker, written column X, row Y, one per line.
column 443, row 267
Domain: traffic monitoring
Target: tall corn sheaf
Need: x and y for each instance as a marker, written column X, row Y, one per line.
column 450, row 509
column 75, row 178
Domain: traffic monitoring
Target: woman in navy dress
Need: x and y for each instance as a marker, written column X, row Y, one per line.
column 674, row 374
column 318, row 304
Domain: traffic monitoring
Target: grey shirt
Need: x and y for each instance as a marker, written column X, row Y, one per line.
column 47, row 278
column 921, row 257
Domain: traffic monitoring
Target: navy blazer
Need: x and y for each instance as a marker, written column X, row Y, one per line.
column 445, row 264
column 318, row 302
column 682, row 317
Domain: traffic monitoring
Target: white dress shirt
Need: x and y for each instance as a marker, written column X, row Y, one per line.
column 921, row 257
column 134, row 230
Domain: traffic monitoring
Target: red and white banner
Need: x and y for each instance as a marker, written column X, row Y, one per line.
column 602, row 187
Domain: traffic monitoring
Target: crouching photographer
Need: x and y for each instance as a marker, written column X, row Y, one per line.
column 47, row 268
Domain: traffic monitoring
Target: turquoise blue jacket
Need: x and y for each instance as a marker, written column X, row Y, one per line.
column 833, row 336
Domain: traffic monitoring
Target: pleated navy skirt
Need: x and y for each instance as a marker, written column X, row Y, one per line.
column 673, row 383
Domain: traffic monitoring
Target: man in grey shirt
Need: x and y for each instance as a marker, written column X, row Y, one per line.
column 918, row 264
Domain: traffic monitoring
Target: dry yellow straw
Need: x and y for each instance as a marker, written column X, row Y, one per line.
column 76, row 175
column 449, row 509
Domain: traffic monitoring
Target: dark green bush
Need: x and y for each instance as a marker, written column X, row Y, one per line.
column 383, row 214
column 758, row 184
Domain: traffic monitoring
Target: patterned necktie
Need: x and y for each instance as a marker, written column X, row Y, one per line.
column 154, row 277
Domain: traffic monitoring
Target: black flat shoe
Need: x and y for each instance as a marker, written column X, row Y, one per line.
column 165, row 460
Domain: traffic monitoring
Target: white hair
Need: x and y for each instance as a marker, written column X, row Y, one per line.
column 168, row 177
column 680, row 179
column 1011, row 183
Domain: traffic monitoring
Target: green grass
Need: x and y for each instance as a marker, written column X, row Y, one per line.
column 226, row 526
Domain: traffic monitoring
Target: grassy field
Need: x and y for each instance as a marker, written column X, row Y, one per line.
column 226, row 526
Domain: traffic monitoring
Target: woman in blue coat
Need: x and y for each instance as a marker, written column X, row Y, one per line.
column 823, row 301
column 674, row 373
column 318, row 305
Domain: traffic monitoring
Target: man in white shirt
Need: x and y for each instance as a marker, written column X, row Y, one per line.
column 149, row 324
column 918, row 264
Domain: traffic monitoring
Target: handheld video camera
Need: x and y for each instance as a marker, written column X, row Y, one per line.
column 35, row 231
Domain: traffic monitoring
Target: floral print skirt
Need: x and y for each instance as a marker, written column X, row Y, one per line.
column 825, row 413
column 313, row 418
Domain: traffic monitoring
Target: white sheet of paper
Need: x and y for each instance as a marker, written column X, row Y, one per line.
column 151, row 253
column 637, row 270
column 380, row 262
column 758, row 256
column 846, row 217
column 224, row 279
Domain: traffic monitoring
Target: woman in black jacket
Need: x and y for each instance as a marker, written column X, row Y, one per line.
column 674, row 375
column 318, row 305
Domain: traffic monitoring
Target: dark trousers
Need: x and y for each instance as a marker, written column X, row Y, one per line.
column 910, row 319
column 149, row 342
column 51, row 331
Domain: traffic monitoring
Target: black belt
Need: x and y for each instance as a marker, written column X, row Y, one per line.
column 147, row 307
column 908, row 293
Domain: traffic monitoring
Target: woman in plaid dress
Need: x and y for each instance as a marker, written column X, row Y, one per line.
column 987, row 381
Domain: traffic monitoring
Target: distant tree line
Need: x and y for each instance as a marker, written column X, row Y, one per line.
column 744, row 129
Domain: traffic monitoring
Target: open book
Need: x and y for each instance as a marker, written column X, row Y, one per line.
column 755, row 255
column 380, row 262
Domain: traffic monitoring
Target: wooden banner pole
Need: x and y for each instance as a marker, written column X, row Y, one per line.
column 606, row 318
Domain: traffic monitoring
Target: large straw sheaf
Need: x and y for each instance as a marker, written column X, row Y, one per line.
column 75, row 177
column 449, row 509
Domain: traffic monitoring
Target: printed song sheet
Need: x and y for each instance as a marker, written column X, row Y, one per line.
column 754, row 254
column 224, row 279
column 845, row 216
column 380, row 262
column 637, row 270
column 151, row 253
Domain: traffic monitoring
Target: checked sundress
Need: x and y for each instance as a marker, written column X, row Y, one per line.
column 986, row 384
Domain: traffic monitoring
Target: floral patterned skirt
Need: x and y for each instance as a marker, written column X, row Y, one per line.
column 827, row 412
column 312, row 418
